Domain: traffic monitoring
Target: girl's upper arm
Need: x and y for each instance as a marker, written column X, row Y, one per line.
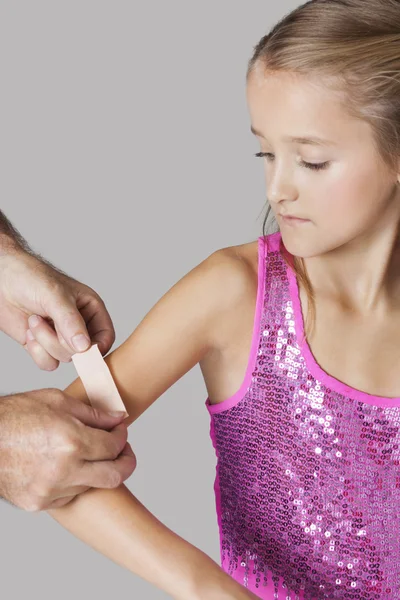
column 177, row 332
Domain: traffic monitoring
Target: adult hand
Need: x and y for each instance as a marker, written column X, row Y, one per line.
column 70, row 316
column 54, row 447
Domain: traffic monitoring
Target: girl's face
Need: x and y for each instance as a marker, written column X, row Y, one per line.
column 352, row 197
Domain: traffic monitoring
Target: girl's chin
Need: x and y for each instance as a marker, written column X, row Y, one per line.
column 302, row 248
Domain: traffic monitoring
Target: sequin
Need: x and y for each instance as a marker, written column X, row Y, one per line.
column 307, row 480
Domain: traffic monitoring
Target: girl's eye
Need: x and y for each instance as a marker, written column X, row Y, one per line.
column 312, row 166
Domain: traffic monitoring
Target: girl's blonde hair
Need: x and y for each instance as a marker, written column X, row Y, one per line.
column 352, row 46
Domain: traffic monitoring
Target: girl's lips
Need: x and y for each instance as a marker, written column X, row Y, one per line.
column 293, row 220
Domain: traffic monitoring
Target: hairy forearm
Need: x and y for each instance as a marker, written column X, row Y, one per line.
column 10, row 238
column 12, row 243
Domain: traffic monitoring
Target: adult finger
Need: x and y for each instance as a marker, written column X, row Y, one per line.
column 109, row 474
column 99, row 324
column 62, row 341
column 62, row 308
column 63, row 501
column 46, row 336
column 72, row 492
column 41, row 357
column 93, row 417
column 99, row 445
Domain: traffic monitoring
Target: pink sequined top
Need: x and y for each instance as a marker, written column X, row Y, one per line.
column 307, row 480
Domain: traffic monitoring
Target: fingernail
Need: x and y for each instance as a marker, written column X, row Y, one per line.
column 117, row 413
column 29, row 335
column 33, row 321
column 80, row 342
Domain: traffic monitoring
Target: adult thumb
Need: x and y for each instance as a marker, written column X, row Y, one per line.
column 69, row 322
column 94, row 417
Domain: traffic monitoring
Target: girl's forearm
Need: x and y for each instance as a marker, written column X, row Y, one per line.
column 116, row 524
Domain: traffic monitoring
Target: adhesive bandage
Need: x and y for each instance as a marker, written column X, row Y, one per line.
column 97, row 380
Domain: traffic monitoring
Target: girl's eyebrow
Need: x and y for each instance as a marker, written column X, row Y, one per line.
column 313, row 140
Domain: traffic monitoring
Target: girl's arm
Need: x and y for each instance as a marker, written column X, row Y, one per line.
column 179, row 330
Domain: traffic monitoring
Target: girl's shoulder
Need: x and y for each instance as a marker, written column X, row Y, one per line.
column 236, row 269
column 239, row 263
column 246, row 254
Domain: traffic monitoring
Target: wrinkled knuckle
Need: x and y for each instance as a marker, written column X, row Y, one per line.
column 95, row 296
column 56, row 396
column 61, row 394
column 95, row 413
column 68, row 446
column 35, row 501
column 73, row 447
column 101, row 302
column 31, row 506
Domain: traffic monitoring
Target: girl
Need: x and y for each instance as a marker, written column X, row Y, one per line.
column 305, row 420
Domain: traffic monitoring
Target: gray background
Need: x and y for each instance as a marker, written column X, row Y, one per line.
column 126, row 159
